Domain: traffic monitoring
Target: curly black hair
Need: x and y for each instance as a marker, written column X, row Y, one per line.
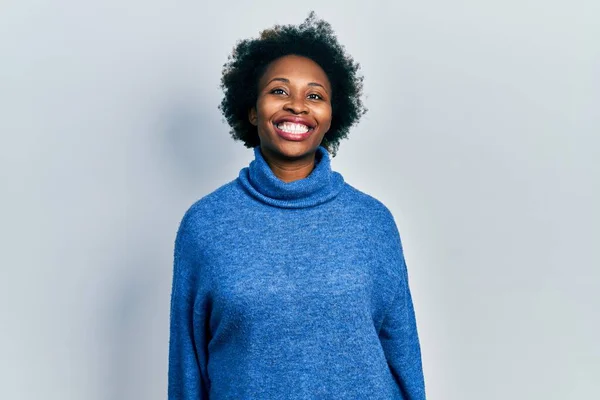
column 314, row 39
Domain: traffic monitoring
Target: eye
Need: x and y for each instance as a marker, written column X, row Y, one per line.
column 315, row 96
column 277, row 91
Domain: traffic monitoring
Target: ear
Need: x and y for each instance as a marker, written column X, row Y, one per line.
column 252, row 116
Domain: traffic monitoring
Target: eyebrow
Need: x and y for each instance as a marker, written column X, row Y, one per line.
column 288, row 81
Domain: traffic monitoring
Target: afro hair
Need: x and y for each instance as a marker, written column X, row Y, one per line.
column 314, row 39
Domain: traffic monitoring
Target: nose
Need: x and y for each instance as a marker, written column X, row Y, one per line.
column 296, row 105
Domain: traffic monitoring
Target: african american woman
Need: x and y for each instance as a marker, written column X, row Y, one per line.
column 288, row 282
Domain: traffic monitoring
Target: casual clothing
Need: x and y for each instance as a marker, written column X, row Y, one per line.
column 292, row 290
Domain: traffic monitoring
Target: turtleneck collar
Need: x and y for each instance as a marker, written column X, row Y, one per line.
column 321, row 185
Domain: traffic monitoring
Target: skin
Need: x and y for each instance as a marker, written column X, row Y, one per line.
column 292, row 86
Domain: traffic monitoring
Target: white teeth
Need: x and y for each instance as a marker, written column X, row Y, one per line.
column 291, row 127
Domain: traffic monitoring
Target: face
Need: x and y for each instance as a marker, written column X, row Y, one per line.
column 293, row 108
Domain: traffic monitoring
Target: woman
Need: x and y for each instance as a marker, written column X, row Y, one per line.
column 289, row 283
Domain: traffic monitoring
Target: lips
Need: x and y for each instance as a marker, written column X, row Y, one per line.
column 294, row 124
column 295, row 130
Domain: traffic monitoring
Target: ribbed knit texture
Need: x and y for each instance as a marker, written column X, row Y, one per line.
column 292, row 290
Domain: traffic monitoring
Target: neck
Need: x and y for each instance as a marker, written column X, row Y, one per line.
column 318, row 186
column 289, row 170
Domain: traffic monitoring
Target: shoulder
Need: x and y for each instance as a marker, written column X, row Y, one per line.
column 204, row 211
column 373, row 213
column 367, row 204
column 379, row 224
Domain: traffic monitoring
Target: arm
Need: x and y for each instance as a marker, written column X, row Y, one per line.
column 399, row 337
column 187, row 355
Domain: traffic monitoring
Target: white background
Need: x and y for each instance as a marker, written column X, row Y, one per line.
column 482, row 139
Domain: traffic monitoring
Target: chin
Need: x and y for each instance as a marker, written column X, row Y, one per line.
column 295, row 149
column 290, row 148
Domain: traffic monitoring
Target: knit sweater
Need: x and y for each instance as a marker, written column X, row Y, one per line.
column 293, row 290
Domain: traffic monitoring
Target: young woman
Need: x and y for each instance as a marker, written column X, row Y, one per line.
column 289, row 283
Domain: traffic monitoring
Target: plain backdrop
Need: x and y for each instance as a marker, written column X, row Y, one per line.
column 482, row 137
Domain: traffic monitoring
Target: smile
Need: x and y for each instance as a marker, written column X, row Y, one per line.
column 292, row 127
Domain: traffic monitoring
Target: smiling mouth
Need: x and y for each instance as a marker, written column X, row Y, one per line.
column 292, row 127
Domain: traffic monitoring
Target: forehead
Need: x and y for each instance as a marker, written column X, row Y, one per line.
column 295, row 68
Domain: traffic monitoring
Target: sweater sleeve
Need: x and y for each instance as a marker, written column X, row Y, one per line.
column 399, row 337
column 187, row 350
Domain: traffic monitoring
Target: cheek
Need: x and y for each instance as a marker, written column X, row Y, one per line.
column 325, row 116
column 259, row 109
column 264, row 109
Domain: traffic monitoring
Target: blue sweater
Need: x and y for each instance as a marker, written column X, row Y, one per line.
column 292, row 290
